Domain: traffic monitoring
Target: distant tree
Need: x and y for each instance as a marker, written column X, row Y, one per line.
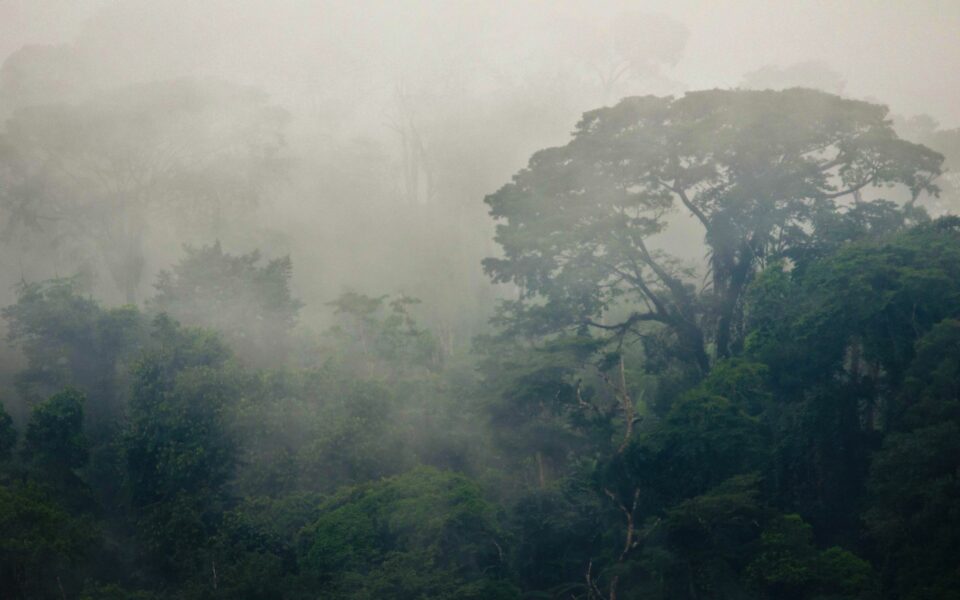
column 318, row 430
column 248, row 302
column 70, row 340
column 41, row 74
column 925, row 130
column 754, row 169
column 379, row 335
column 628, row 50
column 813, row 74
column 93, row 176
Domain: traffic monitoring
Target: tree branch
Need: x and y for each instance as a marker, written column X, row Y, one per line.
column 852, row 189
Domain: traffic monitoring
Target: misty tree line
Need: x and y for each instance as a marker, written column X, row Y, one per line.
column 433, row 123
column 777, row 420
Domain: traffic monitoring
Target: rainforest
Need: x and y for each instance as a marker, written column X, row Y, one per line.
column 479, row 301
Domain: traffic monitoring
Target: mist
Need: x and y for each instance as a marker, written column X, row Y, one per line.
column 478, row 300
column 395, row 107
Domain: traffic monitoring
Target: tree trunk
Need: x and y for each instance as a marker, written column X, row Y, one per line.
column 693, row 343
column 730, row 301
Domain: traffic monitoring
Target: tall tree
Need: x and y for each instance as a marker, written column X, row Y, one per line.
column 68, row 339
column 248, row 302
column 94, row 175
column 178, row 450
column 754, row 169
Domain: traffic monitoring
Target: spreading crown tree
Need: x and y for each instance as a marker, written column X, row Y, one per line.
column 767, row 175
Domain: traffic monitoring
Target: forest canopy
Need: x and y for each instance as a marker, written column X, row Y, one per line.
column 707, row 346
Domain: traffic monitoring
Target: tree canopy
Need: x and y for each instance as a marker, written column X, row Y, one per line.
column 92, row 176
column 771, row 414
column 757, row 170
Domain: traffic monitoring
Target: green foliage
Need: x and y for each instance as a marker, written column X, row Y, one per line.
column 424, row 534
column 930, row 390
column 709, row 538
column 782, row 567
column 839, row 573
column 41, row 544
column 8, row 435
column 377, row 335
column 316, row 431
column 179, row 454
column 829, row 347
column 702, row 440
column 788, row 565
column 708, row 438
column 555, row 534
column 876, row 294
column 69, row 339
column 84, row 178
column 530, row 394
column 54, row 439
column 116, row 592
column 743, row 382
column 787, row 430
column 755, row 168
column 249, row 303
column 839, row 337
column 914, row 490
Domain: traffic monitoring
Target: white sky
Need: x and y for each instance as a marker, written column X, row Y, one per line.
column 905, row 53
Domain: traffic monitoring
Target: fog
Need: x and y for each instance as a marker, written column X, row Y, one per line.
column 904, row 55
column 334, row 253
column 404, row 115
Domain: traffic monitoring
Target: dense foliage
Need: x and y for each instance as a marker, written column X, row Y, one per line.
column 790, row 430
